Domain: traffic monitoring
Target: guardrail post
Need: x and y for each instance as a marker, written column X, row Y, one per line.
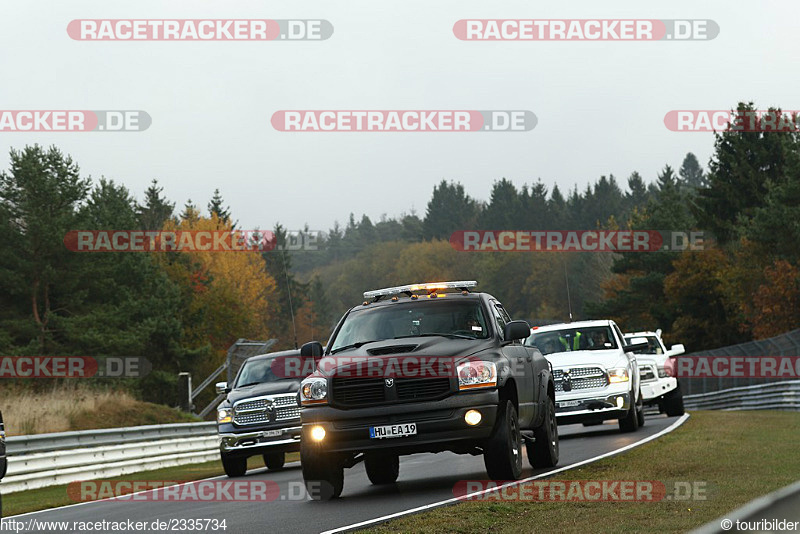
column 185, row 392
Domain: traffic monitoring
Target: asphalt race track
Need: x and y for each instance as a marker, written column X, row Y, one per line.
column 424, row 479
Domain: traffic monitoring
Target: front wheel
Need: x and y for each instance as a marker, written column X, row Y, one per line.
column 274, row 460
column 234, row 467
column 630, row 423
column 323, row 474
column 673, row 402
column 382, row 468
column 502, row 454
column 640, row 411
column 544, row 451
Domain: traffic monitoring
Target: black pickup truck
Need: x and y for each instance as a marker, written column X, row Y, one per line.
column 260, row 414
column 425, row 368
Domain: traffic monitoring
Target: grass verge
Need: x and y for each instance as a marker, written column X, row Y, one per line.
column 69, row 406
column 740, row 456
column 54, row 496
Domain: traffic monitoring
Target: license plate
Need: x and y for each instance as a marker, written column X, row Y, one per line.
column 393, row 431
column 567, row 404
column 271, row 433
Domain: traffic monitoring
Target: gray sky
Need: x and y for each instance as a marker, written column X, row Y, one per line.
column 600, row 106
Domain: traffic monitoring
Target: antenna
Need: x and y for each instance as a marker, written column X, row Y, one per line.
column 289, row 292
column 566, row 279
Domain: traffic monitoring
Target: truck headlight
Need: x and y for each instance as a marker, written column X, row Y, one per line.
column 662, row 373
column 477, row 375
column 314, row 390
column 224, row 415
column 618, row 375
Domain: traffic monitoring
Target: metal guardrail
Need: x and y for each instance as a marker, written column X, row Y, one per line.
column 787, row 344
column 783, row 395
column 50, row 459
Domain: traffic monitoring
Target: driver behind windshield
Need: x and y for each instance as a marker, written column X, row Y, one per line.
column 471, row 325
column 599, row 338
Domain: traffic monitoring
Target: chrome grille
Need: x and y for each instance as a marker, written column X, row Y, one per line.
column 647, row 372
column 581, row 378
column 256, row 410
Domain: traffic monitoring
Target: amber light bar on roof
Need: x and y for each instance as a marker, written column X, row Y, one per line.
column 429, row 287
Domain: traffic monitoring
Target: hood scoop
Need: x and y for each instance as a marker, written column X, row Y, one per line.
column 393, row 349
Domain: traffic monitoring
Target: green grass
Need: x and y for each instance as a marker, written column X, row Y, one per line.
column 740, row 455
column 51, row 497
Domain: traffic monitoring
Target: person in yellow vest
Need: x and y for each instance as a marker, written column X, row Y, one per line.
column 576, row 342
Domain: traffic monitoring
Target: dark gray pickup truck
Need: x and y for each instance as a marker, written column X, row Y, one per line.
column 260, row 415
column 419, row 368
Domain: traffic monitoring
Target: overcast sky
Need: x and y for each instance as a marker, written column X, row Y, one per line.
column 600, row 106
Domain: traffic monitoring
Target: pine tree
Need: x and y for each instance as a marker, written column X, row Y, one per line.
column 449, row 209
column 156, row 209
column 215, row 206
column 692, row 175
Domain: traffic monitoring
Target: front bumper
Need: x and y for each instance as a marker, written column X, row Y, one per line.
column 593, row 407
column 257, row 442
column 653, row 390
column 440, row 425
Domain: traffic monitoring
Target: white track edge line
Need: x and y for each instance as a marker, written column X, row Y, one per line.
column 454, row 500
column 127, row 496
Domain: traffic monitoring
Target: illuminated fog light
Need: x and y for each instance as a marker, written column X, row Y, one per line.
column 620, row 402
column 317, row 433
column 472, row 417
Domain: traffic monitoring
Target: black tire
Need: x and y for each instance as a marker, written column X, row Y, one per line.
column 630, row 423
column 382, row 468
column 234, row 467
column 673, row 403
column 274, row 460
column 640, row 411
column 323, row 473
column 544, row 451
column 502, row 454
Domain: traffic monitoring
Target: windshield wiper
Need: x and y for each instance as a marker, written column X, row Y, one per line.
column 453, row 336
column 249, row 384
column 354, row 345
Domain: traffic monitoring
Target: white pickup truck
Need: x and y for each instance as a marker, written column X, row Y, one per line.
column 596, row 373
column 658, row 387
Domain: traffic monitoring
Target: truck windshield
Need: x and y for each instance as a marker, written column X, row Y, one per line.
column 258, row 372
column 572, row 339
column 422, row 318
column 653, row 345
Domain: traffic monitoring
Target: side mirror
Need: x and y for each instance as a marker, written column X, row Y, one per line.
column 221, row 387
column 677, row 350
column 636, row 347
column 312, row 349
column 516, row 330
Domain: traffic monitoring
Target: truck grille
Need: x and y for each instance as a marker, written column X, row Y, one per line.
column 369, row 391
column 581, row 378
column 647, row 372
column 267, row 409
